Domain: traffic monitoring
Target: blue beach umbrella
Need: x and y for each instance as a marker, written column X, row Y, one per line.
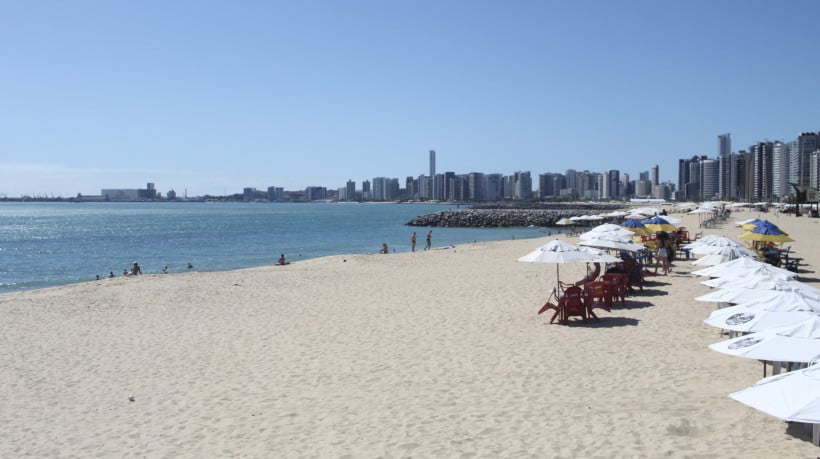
column 766, row 232
column 636, row 227
column 658, row 223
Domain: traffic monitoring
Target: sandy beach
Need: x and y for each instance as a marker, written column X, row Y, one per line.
column 435, row 353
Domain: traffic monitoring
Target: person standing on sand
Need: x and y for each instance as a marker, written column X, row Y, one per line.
column 413, row 242
column 429, row 240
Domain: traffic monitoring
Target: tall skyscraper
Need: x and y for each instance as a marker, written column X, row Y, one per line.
column 433, row 174
column 655, row 178
column 724, row 145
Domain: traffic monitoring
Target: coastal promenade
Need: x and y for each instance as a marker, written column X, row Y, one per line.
column 435, row 353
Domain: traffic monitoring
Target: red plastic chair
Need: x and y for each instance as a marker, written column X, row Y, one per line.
column 618, row 285
column 573, row 303
column 598, row 295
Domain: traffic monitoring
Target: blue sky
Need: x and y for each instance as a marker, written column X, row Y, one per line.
column 214, row 96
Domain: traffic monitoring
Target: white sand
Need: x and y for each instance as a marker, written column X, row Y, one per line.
column 422, row 354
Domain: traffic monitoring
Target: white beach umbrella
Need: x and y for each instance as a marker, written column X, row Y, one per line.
column 708, row 243
column 760, row 282
column 558, row 252
column 793, row 343
column 769, row 311
column 702, row 210
column 744, row 266
column 722, row 255
column 600, row 255
column 742, row 320
column 608, row 230
column 608, row 243
column 738, row 295
column 793, row 396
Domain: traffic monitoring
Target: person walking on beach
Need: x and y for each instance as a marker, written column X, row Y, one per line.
column 413, row 242
column 429, row 240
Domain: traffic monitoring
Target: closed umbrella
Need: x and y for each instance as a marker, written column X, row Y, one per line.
column 744, row 266
column 793, row 396
column 793, row 343
column 767, row 312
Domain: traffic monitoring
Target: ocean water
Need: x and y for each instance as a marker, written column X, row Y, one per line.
column 49, row 244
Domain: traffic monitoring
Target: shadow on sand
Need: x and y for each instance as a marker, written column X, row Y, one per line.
column 603, row 322
column 799, row 431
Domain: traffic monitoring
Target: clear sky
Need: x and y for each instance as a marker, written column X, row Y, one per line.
column 213, row 96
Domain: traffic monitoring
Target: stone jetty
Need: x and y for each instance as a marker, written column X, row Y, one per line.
column 510, row 215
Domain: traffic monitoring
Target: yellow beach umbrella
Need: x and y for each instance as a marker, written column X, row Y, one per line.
column 760, row 237
column 766, row 232
column 656, row 224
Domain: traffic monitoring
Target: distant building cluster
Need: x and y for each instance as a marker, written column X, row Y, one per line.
column 764, row 172
column 484, row 187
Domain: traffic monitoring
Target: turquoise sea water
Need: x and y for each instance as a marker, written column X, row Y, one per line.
column 48, row 244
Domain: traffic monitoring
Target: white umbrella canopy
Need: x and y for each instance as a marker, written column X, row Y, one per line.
column 612, row 244
column 739, row 295
column 600, row 255
column 793, row 396
column 722, row 255
column 769, row 311
column 558, row 252
column 724, row 250
column 608, row 230
column 744, row 266
column 794, row 343
column 703, row 245
column 742, row 319
column 760, row 282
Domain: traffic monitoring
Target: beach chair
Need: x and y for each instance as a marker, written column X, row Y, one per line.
column 598, row 295
column 618, row 285
column 634, row 274
column 573, row 303
column 550, row 305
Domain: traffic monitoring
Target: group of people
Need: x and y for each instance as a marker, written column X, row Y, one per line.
column 428, row 242
column 136, row 270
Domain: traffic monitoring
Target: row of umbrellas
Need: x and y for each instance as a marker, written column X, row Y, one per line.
column 778, row 316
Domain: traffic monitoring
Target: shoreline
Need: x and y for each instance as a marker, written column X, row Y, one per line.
column 436, row 353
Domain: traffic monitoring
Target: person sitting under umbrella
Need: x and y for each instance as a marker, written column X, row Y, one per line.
column 591, row 275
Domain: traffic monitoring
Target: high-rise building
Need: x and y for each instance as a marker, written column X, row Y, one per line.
column 807, row 143
column 477, row 186
column 350, row 190
column 724, row 145
column 780, row 170
column 433, row 177
column 655, row 175
column 708, row 179
column 522, row 185
column 762, row 170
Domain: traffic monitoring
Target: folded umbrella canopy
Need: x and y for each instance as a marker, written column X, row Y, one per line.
column 718, row 255
column 798, row 342
column 767, row 312
column 745, row 266
column 793, row 396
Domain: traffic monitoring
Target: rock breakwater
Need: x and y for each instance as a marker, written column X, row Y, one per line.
column 479, row 217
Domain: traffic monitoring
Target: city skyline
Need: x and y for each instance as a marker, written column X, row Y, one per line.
column 215, row 97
